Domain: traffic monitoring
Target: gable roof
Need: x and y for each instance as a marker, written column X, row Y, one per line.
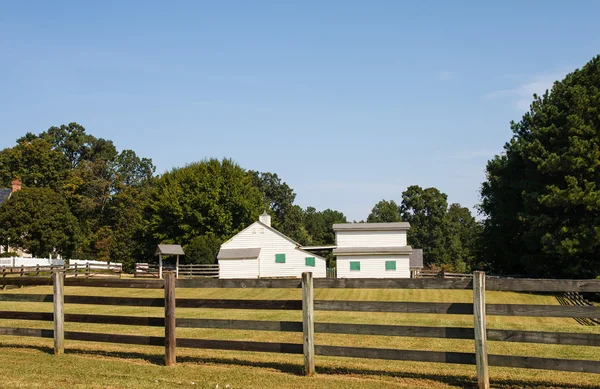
column 169, row 249
column 4, row 194
column 400, row 226
column 251, row 253
column 298, row 245
column 416, row 259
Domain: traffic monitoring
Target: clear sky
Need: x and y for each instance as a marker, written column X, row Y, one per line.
column 349, row 102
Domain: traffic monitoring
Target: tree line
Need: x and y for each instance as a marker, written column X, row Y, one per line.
column 540, row 202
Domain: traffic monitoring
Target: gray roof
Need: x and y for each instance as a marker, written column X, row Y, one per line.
column 169, row 249
column 372, row 250
column 416, row 259
column 4, row 194
column 250, row 253
column 371, row 226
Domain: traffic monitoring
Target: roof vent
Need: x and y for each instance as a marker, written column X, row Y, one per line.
column 265, row 219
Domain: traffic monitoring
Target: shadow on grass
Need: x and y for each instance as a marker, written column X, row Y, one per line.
column 462, row 381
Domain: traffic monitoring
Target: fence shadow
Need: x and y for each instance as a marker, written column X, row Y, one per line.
column 463, row 381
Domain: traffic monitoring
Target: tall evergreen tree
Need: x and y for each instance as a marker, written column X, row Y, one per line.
column 542, row 197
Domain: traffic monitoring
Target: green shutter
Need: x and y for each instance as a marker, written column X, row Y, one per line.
column 355, row 266
column 279, row 258
column 309, row 261
column 390, row 265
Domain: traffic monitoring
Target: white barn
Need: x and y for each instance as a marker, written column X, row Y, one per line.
column 260, row 251
column 372, row 250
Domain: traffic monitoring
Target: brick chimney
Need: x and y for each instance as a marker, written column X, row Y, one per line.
column 16, row 185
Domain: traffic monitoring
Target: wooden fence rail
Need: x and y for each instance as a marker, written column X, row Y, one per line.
column 479, row 309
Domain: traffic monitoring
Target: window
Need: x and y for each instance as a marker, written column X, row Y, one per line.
column 355, row 266
column 309, row 261
column 279, row 258
column 390, row 265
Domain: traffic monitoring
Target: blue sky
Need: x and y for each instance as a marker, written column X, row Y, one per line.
column 349, row 102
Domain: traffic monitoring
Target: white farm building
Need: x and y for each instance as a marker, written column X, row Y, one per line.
column 374, row 250
column 260, row 251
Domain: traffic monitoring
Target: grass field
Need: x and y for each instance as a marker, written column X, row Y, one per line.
column 28, row 362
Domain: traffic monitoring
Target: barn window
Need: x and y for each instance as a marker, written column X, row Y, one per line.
column 390, row 265
column 279, row 258
column 309, row 261
column 355, row 266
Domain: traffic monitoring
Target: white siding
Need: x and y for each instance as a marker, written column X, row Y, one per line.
column 373, row 266
column 370, row 238
column 270, row 243
column 238, row 268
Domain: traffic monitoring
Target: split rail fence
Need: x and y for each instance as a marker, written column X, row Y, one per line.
column 478, row 309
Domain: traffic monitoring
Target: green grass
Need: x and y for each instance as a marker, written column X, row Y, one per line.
column 27, row 362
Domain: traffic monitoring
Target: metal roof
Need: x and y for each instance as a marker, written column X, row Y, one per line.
column 416, row 259
column 4, row 194
column 400, row 226
column 372, row 250
column 251, row 253
column 169, row 249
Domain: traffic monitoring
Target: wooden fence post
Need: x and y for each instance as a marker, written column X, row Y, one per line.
column 479, row 312
column 308, row 323
column 87, row 270
column 170, row 325
column 59, row 313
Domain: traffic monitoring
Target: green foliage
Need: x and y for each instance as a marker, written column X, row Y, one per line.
column 8, row 254
column 385, row 212
column 541, row 197
column 202, row 249
column 425, row 210
column 211, row 196
column 319, row 225
column 39, row 221
column 463, row 235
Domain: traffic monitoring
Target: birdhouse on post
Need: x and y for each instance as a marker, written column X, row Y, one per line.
column 168, row 249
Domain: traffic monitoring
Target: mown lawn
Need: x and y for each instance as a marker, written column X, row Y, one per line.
column 28, row 362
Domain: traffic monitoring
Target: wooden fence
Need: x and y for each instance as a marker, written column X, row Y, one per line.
column 75, row 270
column 198, row 270
column 478, row 309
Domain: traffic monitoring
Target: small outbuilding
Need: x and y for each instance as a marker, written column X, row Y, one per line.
column 260, row 251
column 168, row 249
column 372, row 250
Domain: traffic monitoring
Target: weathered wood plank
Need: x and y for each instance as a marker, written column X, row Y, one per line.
column 393, row 306
column 481, row 355
column 238, row 283
column 123, row 301
column 115, row 338
column 393, row 330
column 115, row 283
column 393, row 354
column 15, row 315
column 393, row 283
column 33, row 332
column 544, row 337
column 542, row 285
column 119, row 320
column 286, row 348
column 58, row 279
column 581, row 366
column 240, row 304
column 308, row 323
column 542, row 310
column 257, row 325
column 25, row 281
column 170, row 323
column 32, row 298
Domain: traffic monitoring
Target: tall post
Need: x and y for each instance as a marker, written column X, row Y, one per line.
column 308, row 323
column 58, row 280
column 160, row 273
column 177, row 267
column 170, row 325
column 479, row 312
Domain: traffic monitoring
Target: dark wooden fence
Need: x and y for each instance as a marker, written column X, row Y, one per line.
column 478, row 309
